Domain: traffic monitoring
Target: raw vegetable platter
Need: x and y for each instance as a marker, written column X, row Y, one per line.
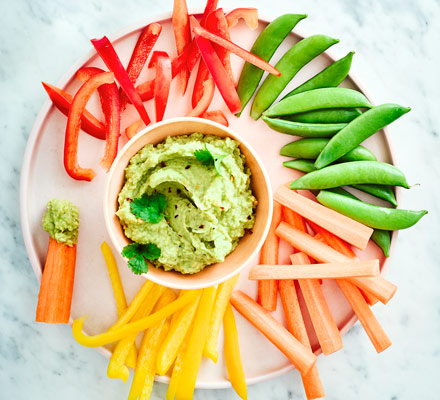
column 43, row 177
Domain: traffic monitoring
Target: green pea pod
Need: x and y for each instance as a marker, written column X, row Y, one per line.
column 382, row 191
column 302, row 129
column 292, row 61
column 300, row 165
column 310, row 148
column 383, row 240
column 343, row 192
column 317, row 99
column 368, row 214
column 264, row 47
column 380, row 237
column 358, row 130
column 331, row 76
column 352, row 173
column 331, row 116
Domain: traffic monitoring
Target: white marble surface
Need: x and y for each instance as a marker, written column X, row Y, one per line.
column 397, row 58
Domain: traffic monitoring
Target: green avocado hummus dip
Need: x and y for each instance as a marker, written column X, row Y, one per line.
column 198, row 210
column 61, row 221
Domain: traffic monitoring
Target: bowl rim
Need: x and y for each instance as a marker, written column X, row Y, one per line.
column 231, row 133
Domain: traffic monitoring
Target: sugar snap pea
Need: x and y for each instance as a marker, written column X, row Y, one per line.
column 264, row 47
column 299, row 164
column 331, row 76
column 352, row 173
column 380, row 237
column 381, row 191
column 330, row 116
column 383, row 240
column 358, row 130
column 303, row 129
column 290, row 63
column 368, row 214
column 310, row 148
column 317, row 99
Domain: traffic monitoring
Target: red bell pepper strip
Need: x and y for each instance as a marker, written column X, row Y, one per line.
column 182, row 35
column 63, row 101
column 111, row 59
column 205, row 100
column 216, row 116
column 162, row 82
column 144, row 45
column 217, row 71
column 201, row 77
column 73, row 126
column 249, row 15
column 210, row 6
column 193, row 55
column 216, row 23
column 109, row 97
column 193, row 51
column 232, row 47
column 133, row 128
column 146, row 89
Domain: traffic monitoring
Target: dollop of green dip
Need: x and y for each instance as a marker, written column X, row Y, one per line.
column 206, row 213
column 61, row 221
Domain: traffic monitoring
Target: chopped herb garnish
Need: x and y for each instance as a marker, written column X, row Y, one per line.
column 207, row 158
column 138, row 254
column 149, row 208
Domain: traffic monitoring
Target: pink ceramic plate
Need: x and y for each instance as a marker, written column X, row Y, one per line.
column 43, row 177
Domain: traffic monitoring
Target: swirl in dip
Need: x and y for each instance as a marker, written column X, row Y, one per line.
column 206, row 213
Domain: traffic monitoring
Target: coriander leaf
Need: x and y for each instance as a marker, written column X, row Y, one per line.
column 204, row 156
column 138, row 265
column 130, row 251
column 138, row 254
column 150, row 251
column 149, row 208
column 207, row 158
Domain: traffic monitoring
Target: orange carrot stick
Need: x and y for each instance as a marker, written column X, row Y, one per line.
column 351, row 231
column 55, row 297
column 366, row 317
column 316, row 271
column 295, row 324
column 325, row 327
column 343, row 247
column 359, row 304
column 294, row 219
column 380, row 288
column 267, row 290
column 300, row 356
column 333, row 241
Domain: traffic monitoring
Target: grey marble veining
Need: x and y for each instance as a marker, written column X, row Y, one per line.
column 397, row 59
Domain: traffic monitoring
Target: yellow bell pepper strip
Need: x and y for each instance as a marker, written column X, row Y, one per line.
column 146, row 365
column 118, row 292
column 177, row 369
column 133, row 327
column 180, row 324
column 134, row 305
column 151, row 372
column 196, row 344
column 221, row 301
column 116, row 368
column 115, row 279
column 232, row 354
